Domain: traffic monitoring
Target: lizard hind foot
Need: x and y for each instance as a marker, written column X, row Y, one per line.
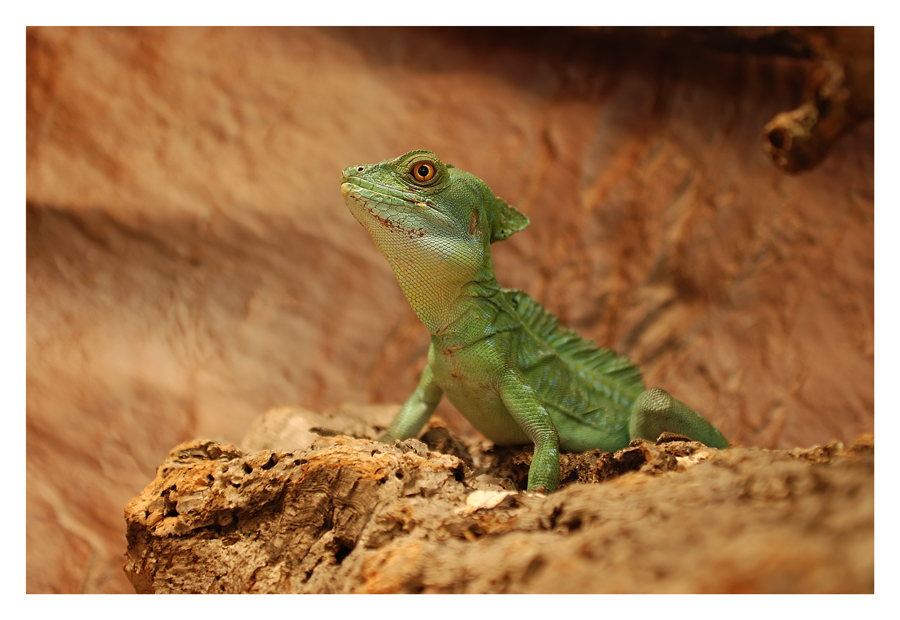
column 656, row 412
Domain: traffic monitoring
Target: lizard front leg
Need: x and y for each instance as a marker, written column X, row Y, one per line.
column 416, row 410
column 529, row 413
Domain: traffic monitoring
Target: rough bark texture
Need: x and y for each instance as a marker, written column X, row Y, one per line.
column 841, row 96
column 190, row 262
column 350, row 515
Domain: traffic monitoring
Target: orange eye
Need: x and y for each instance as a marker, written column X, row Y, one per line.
column 423, row 171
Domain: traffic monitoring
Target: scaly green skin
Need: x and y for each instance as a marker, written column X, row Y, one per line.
column 500, row 358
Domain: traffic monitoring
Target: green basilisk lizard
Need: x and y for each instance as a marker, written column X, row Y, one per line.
column 498, row 356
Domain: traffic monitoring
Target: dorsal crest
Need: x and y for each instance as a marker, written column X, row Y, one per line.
column 550, row 354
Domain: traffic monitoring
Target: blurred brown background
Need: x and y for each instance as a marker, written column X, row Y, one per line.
column 190, row 262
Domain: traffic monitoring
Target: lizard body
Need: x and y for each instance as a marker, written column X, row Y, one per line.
column 499, row 357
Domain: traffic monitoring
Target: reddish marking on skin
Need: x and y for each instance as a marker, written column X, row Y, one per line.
column 473, row 223
column 412, row 233
column 451, row 351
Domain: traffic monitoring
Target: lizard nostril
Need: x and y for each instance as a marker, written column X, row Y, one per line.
column 360, row 169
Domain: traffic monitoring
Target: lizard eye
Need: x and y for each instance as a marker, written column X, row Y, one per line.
column 423, row 171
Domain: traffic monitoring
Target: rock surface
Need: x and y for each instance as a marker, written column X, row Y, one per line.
column 190, row 263
column 349, row 515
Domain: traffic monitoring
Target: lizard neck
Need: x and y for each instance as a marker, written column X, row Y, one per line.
column 478, row 315
column 446, row 295
column 473, row 313
column 451, row 308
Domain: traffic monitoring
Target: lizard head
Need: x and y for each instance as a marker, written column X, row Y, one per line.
column 418, row 194
column 434, row 223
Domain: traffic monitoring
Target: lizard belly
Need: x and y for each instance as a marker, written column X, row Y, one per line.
column 479, row 402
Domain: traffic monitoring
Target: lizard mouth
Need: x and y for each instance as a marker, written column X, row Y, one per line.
column 373, row 203
column 396, row 208
column 376, row 199
column 359, row 189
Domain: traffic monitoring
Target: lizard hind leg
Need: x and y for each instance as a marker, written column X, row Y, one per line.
column 655, row 411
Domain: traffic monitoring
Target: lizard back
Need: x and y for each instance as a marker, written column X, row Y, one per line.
column 588, row 390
